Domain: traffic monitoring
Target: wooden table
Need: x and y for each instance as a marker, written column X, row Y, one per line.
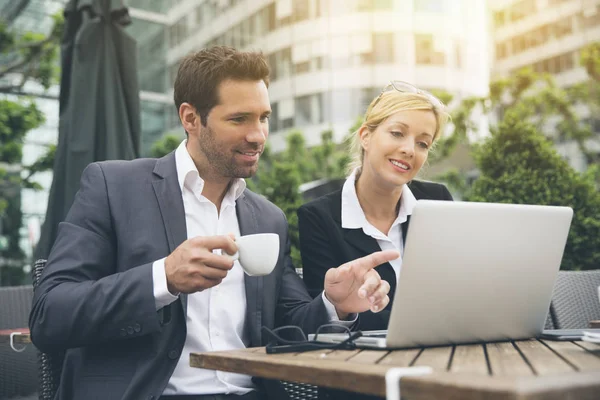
column 20, row 337
column 524, row 370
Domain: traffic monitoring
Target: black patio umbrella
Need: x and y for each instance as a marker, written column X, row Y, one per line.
column 99, row 101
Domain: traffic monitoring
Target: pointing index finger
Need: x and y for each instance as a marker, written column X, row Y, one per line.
column 373, row 260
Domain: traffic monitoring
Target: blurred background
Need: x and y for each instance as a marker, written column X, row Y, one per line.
column 520, row 77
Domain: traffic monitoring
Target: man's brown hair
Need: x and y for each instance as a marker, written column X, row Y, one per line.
column 200, row 74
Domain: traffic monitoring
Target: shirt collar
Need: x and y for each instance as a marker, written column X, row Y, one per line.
column 188, row 176
column 353, row 216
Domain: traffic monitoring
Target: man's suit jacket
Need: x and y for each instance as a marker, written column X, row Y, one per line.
column 95, row 298
column 325, row 244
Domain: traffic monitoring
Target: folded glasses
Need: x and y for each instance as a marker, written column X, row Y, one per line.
column 291, row 339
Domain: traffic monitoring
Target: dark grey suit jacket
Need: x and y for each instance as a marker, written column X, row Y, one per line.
column 325, row 244
column 95, row 299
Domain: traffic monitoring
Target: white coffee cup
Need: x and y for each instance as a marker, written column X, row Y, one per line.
column 257, row 253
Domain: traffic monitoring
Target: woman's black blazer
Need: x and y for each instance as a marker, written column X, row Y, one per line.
column 325, row 244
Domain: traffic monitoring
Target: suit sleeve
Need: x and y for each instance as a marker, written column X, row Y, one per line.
column 316, row 249
column 81, row 298
column 295, row 305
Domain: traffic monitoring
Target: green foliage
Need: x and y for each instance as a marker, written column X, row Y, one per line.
column 16, row 119
column 33, row 57
column 590, row 59
column 280, row 175
column 520, row 165
column 165, row 145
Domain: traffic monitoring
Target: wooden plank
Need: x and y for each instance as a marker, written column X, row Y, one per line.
column 543, row 360
column 400, row 358
column 368, row 357
column 328, row 354
column 469, row 359
column 505, row 360
column 593, row 347
column 332, row 373
column 583, row 360
column 595, row 324
column 579, row 385
column 437, row 358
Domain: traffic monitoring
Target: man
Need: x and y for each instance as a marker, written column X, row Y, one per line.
column 137, row 278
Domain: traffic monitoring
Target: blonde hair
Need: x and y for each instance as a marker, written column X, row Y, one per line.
column 386, row 105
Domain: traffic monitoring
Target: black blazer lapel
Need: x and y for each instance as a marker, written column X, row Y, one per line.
column 168, row 194
column 404, row 227
column 248, row 222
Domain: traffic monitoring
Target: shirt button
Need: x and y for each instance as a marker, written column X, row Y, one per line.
column 130, row 330
column 123, row 332
column 173, row 354
column 137, row 328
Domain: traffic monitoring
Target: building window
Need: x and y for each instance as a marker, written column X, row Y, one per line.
column 589, row 18
column 270, row 17
column 522, row 9
column 303, row 110
column 178, row 32
column 366, row 97
column 563, row 27
column 499, row 18
column 501, row 51
column 425, row 52
column 383, row 48
column 274, row 118
column 301, row 10
column 271, row 59
column 431, row 6
column 287, row 123
column 281, row 64
column 383, row 5
column 556, row 64
column 173, row 69
column 302, row 68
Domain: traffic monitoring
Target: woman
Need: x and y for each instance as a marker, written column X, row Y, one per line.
column 372, row 210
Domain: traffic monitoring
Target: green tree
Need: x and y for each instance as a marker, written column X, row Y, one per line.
column 280, row 175
column 29, row 57
column 165, row 145
column 520, row 165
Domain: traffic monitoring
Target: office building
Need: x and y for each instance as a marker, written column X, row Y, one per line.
column 548, row 36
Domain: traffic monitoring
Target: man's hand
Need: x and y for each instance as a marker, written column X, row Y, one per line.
column 193, row 267
column 356, row 287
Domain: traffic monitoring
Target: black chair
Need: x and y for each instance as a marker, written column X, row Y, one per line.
column 50, row 364
column 18, row 370
column 575, row 300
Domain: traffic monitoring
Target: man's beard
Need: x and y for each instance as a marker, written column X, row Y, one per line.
column 222, row 160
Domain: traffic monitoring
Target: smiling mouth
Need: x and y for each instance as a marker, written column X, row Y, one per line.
column 400, row 164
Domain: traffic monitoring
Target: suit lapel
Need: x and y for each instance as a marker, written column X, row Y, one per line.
column 248, row 222
column 404, row 227
column 170, row 202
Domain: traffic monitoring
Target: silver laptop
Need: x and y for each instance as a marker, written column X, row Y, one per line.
column 473, row 272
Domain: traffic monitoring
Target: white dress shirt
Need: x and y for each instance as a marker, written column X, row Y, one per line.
column 353, row 217
column 215, row 317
